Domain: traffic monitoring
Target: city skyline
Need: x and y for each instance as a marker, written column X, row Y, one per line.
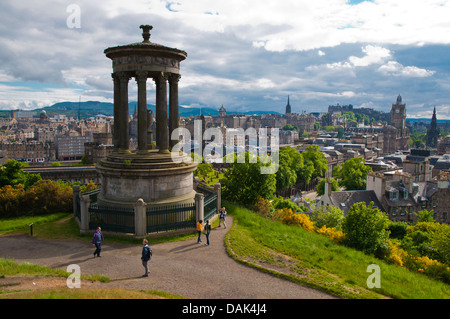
column 246, row 56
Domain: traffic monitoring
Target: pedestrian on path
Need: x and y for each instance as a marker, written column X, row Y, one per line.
column 222, row 217
column 97, row 241
column 146, row 256
column 207, row 231
column 199, row 231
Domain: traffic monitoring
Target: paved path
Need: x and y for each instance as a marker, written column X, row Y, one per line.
column 185, row 268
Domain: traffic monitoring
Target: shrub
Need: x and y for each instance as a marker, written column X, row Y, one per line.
column 397, row 255
column 263, row 207
column 428, row 239
column 397, row 230
column 331, row 232
column 288, row 217
column 365, row 228
column 44, row 197
column 280, row 203
column 330, row 216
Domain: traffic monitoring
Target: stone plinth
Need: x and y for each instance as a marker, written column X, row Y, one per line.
column 153, row 177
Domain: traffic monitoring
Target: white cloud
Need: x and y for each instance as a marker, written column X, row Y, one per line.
column 319, row 23
column 374, row 55
column 396, row 69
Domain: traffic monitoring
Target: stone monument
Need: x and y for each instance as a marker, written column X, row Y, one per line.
column 148, row 173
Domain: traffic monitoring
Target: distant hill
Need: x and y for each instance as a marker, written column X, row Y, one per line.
column 91, row 108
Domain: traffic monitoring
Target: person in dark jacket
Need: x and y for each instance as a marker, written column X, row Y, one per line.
column 207, row 231
column 146, row 255
column 97, row 241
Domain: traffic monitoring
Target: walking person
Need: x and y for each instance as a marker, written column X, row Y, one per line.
column 207, row 230
column 222, row 216
column 146, row 256
column 199, row 231
column 97, row 241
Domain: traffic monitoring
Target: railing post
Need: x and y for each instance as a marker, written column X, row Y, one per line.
column 196, row 182
column 140, row 218
column 84, row 212
column 218, row 190
column 76, row 195
column 199, row 206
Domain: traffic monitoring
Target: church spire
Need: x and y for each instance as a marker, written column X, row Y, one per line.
column 288, row 107
column 433, row 132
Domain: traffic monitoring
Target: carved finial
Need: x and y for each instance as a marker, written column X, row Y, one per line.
column 146, row 32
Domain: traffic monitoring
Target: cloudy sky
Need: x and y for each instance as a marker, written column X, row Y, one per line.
column 243, row 54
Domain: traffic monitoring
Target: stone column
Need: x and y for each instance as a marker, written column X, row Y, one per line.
column 84, row 207
column 218, row 190
column 116, row 132
column 162, row 134
column 173, row 105
column 140, row 218
column 124, row 133
column 141, row 79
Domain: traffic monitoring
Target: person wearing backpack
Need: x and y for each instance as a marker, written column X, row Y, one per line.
column 146, row 256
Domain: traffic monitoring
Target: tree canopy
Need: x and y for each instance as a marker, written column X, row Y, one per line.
column 243, row 182
column 352, row 174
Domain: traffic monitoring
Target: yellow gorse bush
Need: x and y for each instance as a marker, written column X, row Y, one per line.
column 298, row 219
column 336, row 235
column 397, row 255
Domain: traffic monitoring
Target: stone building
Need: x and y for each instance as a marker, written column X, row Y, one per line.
column 99, row 148
column 402, row 197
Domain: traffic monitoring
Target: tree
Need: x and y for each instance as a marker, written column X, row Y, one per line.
column 352, row 173
column 424, row 216
column 12, row 173
column 315, row 163
column 243, row 182
column 366, row 228
column 290, row 164
column 85, row 160
column 320, row 188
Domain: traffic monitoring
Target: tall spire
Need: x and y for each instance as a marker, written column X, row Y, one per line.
column 432, row 132
column 288, row 107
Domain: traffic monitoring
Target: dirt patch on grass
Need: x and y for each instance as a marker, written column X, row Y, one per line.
column 11, row 284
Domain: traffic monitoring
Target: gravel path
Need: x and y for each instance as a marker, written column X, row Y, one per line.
column 184, row 268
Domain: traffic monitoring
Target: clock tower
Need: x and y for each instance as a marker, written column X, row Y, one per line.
column 398, row 114
column 396, row 135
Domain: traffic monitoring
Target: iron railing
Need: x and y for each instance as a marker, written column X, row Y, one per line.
column 113, row 219
column 170, row 217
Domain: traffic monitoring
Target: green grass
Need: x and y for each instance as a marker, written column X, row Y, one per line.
column 11, row 268
column 63, row 226
column 89, row 293
column 21, row 224
column 316, row 261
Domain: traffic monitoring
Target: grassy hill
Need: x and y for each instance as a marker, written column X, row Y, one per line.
column 314, row 260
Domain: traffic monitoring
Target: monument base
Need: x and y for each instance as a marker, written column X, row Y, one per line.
column 151, row 176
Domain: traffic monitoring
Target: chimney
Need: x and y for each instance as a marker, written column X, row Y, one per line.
column 327, row 187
